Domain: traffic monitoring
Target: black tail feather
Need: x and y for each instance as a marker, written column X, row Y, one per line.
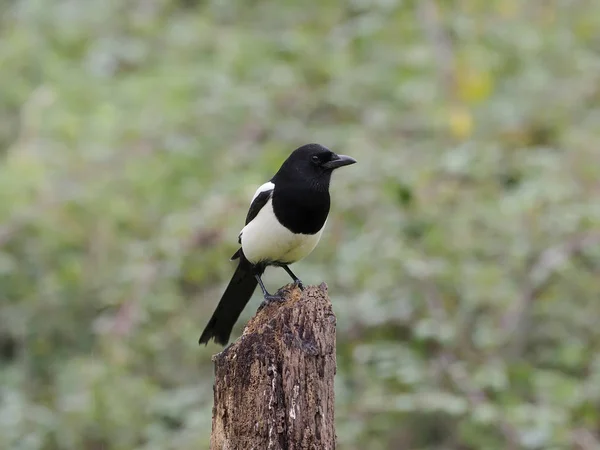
column 232, row 303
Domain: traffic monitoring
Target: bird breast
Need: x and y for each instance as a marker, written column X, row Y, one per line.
column 264, row 239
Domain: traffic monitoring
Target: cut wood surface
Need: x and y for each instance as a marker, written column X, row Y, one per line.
column 274, row 386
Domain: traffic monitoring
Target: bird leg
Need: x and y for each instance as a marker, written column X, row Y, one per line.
column 269, row 298
column 297, row 280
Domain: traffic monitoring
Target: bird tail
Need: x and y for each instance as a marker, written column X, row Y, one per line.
column 232, row 303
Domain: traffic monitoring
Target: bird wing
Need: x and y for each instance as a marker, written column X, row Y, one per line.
column 260, row 199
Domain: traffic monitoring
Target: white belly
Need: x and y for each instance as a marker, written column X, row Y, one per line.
column 264, row 239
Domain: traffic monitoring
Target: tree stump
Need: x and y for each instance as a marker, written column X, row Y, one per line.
column 274, row 386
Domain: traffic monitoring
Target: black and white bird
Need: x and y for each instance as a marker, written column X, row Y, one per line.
column 284, row 224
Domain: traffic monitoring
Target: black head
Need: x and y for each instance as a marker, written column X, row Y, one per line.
column 312, row 163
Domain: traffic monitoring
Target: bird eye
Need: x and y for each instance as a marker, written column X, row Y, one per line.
column 315, row 159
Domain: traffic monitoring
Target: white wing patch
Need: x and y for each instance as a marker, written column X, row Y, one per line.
column 268, row 186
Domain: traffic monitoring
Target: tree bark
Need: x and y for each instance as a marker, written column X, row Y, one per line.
column 274, row 386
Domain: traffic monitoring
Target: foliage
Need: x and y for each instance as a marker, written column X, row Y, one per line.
column 462, row 252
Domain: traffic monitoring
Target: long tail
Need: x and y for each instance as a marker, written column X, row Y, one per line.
column 232, row 303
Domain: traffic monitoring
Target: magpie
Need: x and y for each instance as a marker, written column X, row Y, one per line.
column 284, row 224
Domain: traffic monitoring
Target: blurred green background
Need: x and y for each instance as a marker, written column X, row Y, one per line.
column 462, row 252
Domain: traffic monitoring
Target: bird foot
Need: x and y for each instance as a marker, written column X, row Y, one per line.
column 270, row 299
column 299, row 284
column 273, row 299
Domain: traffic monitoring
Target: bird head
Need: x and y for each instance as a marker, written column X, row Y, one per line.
column 314, row 163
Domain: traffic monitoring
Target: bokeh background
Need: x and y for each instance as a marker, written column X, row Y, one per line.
column 462, row 253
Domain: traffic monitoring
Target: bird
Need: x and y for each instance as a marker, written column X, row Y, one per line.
column 284, row 223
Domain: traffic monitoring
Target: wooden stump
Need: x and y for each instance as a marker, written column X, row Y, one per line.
column 274, row 386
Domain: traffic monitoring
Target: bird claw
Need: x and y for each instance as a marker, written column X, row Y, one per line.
column 299, row 284
column 273, row 299
column 270, row 299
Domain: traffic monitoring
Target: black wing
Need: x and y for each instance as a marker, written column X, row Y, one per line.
column 257, row 204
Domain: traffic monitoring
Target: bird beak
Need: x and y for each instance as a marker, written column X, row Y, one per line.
column 339, row 161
